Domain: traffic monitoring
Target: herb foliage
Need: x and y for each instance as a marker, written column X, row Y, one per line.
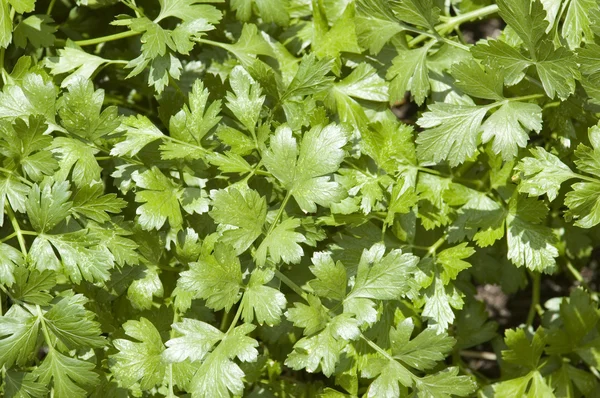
column 213, row 198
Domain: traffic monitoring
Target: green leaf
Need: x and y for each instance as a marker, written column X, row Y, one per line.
column 417, row 12
column 246, row 100
column 32, row 286
column 196, row 340
column 89, row 202
column 48, row 204
column 250, row 44
column 388, row 375
column 80, row 110
column 409, row 72
column 445, row 384
column 310, row 78
column 282, row 244
column 73, row 325
column 496, row 53
column 312, row 317
column 452, row 262
column 341, row 37
column 542, row 174
column 439, row 301
column 160, row 199
column 382, row 277
column 23, row 6
column 35, row 29
column 527, row 18
column 423, row 351
column 140, row 361
column 23, row 385
column 242, row 214
column 269, row 10
column 577, row 22
column 10, row 258
column 318, row 351
column 5, row 25
column 215, row 278
column 330, row 279
column 32, row 96
column 140, row 131
column 15, row 191
column 452, row 132
column 77, row 160
column 141, row 292
column 26, row 144
column 305, row 172
column 79, row 63
column 260, row 301
column 477, row 81
column 390, row 144
column 218, row 374
column 584, row 204
column 82, row 255
column 68, row 375
column 195, row 120
column 376, row 24
column 557, row 70
column 530, row 243
column 19, row 334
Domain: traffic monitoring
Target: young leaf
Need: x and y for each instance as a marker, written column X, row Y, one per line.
column 305, row 173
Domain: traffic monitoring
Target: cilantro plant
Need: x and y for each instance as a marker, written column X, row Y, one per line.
column 208, row 198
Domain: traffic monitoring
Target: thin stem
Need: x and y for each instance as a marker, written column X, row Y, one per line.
column 12, row 173
column 456, row 21
column 433, row 248
column 579, row 278
column 586, row 178
column 2, row 65
column 44, row 327
column 104, row 39
column 288, row 195
column 378, row 349
column 488, row 356
column 17, row 229
column 535, row 297
column 236, row 318
column 527, row 97
column 50, row 7
column 455, row 44
column 9, row 237
column 290, row 283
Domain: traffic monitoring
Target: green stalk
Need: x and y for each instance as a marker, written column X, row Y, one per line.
column 535, row 297
column 17, row 229
column 50, row 7
column 104, row 39
column 290, row 283
column 236, row 318
column 456, row 21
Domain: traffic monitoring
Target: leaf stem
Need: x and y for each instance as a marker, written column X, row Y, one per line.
column 16, row 228
column 579, row 278
column 290, row 283
column 236, row 318
column 535, row 297
column 50, row 7
column 288, row 195
column 586, row 178
column 44, row 327
column 12, row 173
column 433, row 248
column 456, row 21
column 104, row 39
column 527, row 97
